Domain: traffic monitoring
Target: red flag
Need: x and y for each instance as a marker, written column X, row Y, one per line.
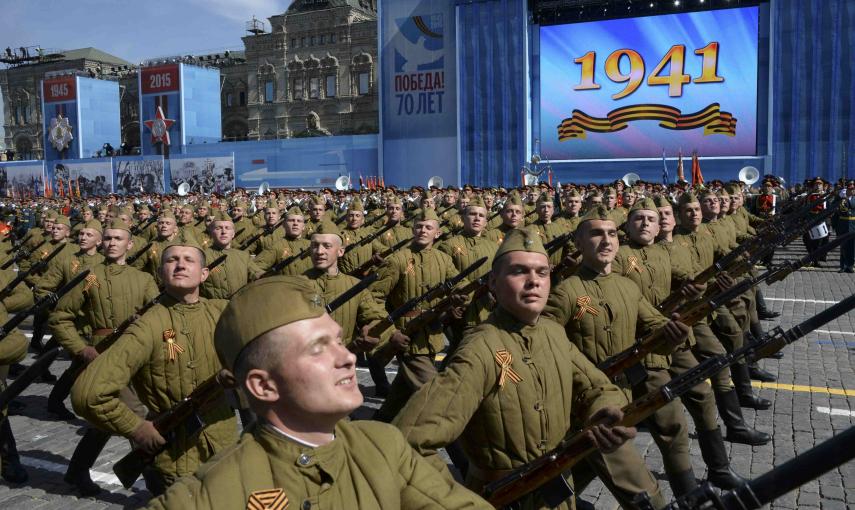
column 697, row 176
column 77, row 185
column 680, row 175
column 70, row 191
column 382, row 183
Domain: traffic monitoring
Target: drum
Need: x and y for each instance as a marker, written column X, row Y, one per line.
column 818, row 232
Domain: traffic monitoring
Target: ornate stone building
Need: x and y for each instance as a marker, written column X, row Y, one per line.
column 312, row 73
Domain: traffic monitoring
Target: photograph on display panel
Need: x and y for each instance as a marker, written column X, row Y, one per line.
column 204, row 175
column 76, row 179
column 22, row 181
column 138, row 176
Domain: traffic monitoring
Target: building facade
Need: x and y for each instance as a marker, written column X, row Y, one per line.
column 312, row 73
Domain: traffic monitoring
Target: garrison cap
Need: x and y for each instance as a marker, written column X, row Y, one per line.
column 733, row 188
column 599, row 212
column 51, row 215
column 394, row 200
column 663, row 201
column 520, row 239
column 271, row 204
column 328, row 227
column 687, row 198
column 182, row 240
column 62, row 220
column 93, row 224
column 294, row 211
column 513, row 199
column 219, row 215
column 318, row 200
column 645, row 204
column 166, row 214
column 257, row 308
column 356, row 205
column 118, row 224
column 544, row 198
column 477, row 201
column 425, row 215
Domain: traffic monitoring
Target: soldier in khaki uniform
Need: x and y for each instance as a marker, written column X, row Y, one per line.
column 272, row 215
column 187, row 223
column 13, row 349
column 112, row 292
column 514, row 384
column 244, row 229
column 649, row 265
column 698, row 241
column 304, row 453
column 398, row 232
column 406, row 274
column 355, row 231
column 238, row 268
column 167, row 230
column 34, row 237
column 601, row 312
column 317, row 209
column 284, row 247
column 148, row 233
column 546, row 227
column 165, row 354
column 571, row 209
column 513, row 216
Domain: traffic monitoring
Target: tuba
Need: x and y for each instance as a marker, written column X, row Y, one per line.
column 630, row 179
column 749, row 175
column 183, row 189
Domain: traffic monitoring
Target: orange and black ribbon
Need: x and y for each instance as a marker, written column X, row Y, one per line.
column 172, row 348
column 584, row 304
column 711, row 118
column 504, row 359
column 272, row 499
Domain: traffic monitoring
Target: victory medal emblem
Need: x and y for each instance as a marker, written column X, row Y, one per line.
column 159, row 127
column 59, row 134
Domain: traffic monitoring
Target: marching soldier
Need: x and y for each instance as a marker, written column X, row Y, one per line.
column 304, row 453
column 238, row 268
column 354, row 232
column 546, row 227
column 165, row 354
column 13, row 349
column 113, row 292
column 272, row 215
column 282, row 248
column 317, row 210
column 571, row 202
column 404, row 275
column 187, row 223
column 244, row 229
column 513, row 216
column 144, row 214
column 513, row 385
column 167, row 231
column 398, row 232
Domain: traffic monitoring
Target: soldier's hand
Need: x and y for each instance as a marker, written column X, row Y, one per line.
column 724, row 281
column 147, row 438
column 459, row 300
column 364, row 342
column 572, row 261
column 88, row 354
column 400, row 340
column 605, row 432
column 458, row 312
column 377, row 258
column 675, row 331
column 693, row 290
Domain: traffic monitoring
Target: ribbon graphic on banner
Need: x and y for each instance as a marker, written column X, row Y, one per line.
column 711, row 118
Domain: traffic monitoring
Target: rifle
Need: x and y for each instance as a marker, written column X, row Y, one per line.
column 279, row 266
column 38, row 266
column 136, row 229
column 773, row 484
column 368, row 264
column 267, row 230
column 133, row 258
column 388, row 351
column 27, row 377
column 22, row 253
column 183, row 414
column 50, row 298
column 367, row 239
column 546, row 469
column 559, row 242
column 350, row 293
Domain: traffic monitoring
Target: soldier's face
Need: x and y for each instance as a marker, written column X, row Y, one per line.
column 425, row 233
column 611, row 201
column 182, row 268
column 691, row 215
column 598, row 242
column 59, row 232
column 325, row 250
column 202, row 213
column 271, row 216
column 48, row 226
column 88, row 238
column 222, row 232
column 428, row 203
column 355, row 219
column 394, row 212
column 116, row 244
column 710, row 206
column 314, row 377
column 666, row 220
column 736, row 201
column 294, row 226
column 475, row 220
column 544, row 211
column 237, row 212
column 87, row 215
column 573, row 205
column 643, row 227
column 520, row 282
column 512, row 215
column 724, row 204
column 186, row 216
column 317, row 212
column 144, row 215
column 166, row 227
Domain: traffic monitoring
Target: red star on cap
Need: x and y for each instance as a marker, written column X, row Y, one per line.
column 159, row 127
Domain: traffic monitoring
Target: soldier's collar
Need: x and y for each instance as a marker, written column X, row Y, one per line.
column 586, row 273
column 330, row 458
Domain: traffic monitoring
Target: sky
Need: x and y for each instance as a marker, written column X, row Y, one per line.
column 134, row 30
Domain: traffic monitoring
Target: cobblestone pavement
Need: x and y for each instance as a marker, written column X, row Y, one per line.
column 814, row 398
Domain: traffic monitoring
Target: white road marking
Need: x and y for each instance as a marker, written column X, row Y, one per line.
column 833, row 332
column 97, row 476
column 388, row 371
column 818, row 301
column 835, row 412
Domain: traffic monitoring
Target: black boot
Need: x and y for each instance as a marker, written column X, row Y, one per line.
column 683, row 483
column 83, row 459
column 762, row 310
column 737, row 432
column 742, row 381
column 378, row 375
column 720, row 473
column 758, row 374
column 756, row 333
column 10, row 462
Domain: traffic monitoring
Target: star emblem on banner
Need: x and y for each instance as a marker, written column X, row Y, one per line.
column 59, row 134
column 159, row 127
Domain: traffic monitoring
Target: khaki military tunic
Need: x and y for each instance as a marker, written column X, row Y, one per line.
column 230, row 275
column 358, row 311
column 163, row 373
column 282, row 249
column 42, row 253
column 359, row 255
column 464, row 249
column 13, row 347
column 244, row 229
column 391, row 237
column 150, row 260
column 367, row 466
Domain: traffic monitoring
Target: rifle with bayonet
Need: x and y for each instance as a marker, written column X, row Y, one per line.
column 137, row 229
column 25, row 378
column 365, row 268
column 133, row 258
column 48, row 299
column 267, row 230
column 22, row 254
column 367, row 239
column 546, row 470
column 384, row 353
column 625, row 364
column 282, row 264
column 38, row 266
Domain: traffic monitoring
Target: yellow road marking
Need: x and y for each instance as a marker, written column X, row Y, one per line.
column 803, row 389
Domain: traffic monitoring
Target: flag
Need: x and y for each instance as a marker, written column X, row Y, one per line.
column 361, row 182
column 77, row 185
column 382, row 183
column 681, row 177
column 666, row 177
column 697, row 176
